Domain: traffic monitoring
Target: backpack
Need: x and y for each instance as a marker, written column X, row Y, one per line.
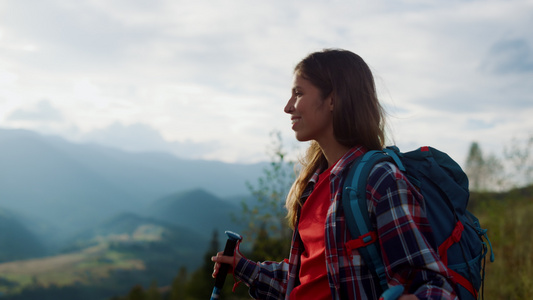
column 444, row 186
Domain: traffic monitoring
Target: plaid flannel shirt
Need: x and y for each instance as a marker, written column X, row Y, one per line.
column 404, row 235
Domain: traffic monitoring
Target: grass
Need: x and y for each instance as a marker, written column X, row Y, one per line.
column 509, row 220
column 83, row 267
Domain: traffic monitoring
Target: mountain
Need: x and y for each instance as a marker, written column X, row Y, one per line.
column 130, row 226
column 196, row 209
column 89, row 219
column 130, row 230
column 38, row 179
column 64, row 187
column 106, row 260
column 16, row 240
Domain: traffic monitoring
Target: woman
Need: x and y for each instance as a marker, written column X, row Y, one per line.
column 334, row 105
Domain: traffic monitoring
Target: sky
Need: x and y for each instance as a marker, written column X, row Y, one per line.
column 208, row 79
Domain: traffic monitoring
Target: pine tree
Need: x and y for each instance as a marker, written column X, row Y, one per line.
column 268, row 248
column 201, row 282
column 179, row 283
column 136, row 293
column 474, row 166
column 153, row 292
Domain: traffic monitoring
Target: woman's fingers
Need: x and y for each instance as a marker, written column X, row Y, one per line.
column 220, row 259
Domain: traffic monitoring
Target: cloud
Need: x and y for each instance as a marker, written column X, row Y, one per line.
column 178, row 75
column 140, row 137
column 475, row 124
column 509, row 56
column 44, row 111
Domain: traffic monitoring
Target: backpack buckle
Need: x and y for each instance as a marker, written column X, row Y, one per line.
column 362, row 241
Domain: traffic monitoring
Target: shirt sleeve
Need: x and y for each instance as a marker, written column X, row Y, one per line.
column 266, row 280
column 406, row 240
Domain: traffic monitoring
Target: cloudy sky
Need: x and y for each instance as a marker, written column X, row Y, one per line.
column 208, row 79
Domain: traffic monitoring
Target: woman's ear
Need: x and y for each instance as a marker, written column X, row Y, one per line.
column 331, row 102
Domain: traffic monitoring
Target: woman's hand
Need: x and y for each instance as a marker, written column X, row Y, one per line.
column 220, row 258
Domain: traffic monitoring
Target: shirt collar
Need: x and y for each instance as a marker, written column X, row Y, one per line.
column 342, row 163
column 347, row 159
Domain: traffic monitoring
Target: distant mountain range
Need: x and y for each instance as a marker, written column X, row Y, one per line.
column 197, row 208
column 16, row 240
column 83, row 219
column 106, row 260
column 56, row 191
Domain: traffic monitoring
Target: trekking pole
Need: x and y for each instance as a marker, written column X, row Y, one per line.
column 233, row 238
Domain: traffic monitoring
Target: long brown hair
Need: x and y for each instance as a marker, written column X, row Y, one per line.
column 358, row 117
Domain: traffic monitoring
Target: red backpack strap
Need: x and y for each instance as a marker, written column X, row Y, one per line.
column 443, row 253
column 452, row 239
column 458, row 279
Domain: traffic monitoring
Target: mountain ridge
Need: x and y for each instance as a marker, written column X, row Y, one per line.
column 17, row 240
column 196, row 209
column 66, row 187
column 121, row 217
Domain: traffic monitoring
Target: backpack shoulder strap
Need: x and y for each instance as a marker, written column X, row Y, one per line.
column 356, row 213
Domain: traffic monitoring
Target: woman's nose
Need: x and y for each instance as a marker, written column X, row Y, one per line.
column 289, row 108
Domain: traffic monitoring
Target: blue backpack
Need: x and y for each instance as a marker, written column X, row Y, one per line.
column 444, row 186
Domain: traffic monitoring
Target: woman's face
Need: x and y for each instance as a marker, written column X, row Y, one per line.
column 311, row 115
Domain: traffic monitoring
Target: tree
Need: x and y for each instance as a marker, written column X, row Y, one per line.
column 268, row 211
column 484, row 172
column 136, row 293
column 474, row 166
column 179, row 283
column 201, row 282
column 521, row 160
column 268, row 248
column 153, row 292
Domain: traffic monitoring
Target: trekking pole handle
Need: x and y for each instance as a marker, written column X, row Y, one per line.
column 233, row 238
